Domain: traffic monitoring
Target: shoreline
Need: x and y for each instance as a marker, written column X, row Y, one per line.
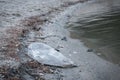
column 90, row 66
column 53, row 22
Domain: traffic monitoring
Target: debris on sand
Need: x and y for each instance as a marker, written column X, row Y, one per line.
column 33, row 21
column 45, row 54
column 30, row 70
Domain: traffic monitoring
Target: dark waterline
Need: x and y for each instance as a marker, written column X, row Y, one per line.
column 101, row 32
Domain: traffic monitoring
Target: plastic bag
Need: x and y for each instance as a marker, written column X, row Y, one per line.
column 45, row 54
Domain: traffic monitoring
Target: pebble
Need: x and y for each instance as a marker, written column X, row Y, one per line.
column 90, row 50
column 70, row 55
column 64, row 38
column 98, row 54
column 75, row 52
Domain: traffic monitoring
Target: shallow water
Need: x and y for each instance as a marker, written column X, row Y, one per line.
column 100, row 29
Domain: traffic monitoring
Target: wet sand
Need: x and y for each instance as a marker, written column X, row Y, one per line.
column 41, row 18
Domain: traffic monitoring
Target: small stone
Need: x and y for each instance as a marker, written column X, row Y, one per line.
column 41, row 74
column 60, row 46
column 68, row 15
column 38, row 9
column 3, row 47
column 90, row 50
column 98, row 54
column 16, row 14
column 57, row 50
column 64, row 38
column 51, row 70
column 75, row 52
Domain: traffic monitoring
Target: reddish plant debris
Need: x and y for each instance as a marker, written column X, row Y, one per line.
column 33, row 21
column 31, row 68
column 9, row 73
column 37, row 66
column 12, row 40
column 10, row 44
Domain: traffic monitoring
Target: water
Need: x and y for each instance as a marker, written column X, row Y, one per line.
column 99, row 28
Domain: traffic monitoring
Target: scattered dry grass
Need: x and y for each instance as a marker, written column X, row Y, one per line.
column 32, row 68
column 9, row 73
column 10, row 43
column 12, row 40
column 37, row 66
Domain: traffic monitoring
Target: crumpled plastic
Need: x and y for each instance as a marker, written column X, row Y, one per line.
column 45, row 54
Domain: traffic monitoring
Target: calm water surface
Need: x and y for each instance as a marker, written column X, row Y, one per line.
column 100, row 29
